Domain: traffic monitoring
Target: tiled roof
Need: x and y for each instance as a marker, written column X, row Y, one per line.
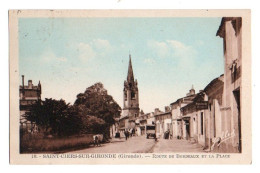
column 183, row 99
column 162, row 113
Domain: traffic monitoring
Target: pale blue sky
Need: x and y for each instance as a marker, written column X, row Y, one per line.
column 168, row 55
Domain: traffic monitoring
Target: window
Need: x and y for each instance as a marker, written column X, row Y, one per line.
column 201, row 123
column 132, row 95
column 125, row 96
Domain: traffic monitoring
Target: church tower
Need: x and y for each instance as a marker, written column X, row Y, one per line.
column 130, row 95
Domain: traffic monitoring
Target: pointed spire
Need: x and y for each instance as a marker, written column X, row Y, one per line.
column 192, row 87
column 130, row 74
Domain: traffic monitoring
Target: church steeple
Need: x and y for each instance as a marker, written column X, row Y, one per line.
column 130, row 74
column 130, row 93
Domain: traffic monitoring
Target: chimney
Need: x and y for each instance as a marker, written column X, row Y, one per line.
column 156, row 110
column 40, row 87
column 23, row 80
column 30, row 84
column 167, row 108
column 192, row 90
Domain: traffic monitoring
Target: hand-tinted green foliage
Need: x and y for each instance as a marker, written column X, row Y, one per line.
column 93, row 112
column 54, row 117
column 98, row 108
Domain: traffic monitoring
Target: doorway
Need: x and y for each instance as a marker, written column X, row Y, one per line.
column 237, row 98
column 187, row 124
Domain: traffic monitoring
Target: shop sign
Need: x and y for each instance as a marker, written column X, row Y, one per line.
column 186, row 118
column 201, row 105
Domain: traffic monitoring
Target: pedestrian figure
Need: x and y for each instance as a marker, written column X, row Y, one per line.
column 166, row 135
column 171, row 136
column 126, row 135
column 129, row 133
column 133, row 132
column 96, row 140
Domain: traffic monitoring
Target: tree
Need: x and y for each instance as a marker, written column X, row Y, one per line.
column 54, row 117
column 88, row 123
column 96, row 105
column 93, row 112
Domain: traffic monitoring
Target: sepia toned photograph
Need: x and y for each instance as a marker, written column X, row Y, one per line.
column 100, row 86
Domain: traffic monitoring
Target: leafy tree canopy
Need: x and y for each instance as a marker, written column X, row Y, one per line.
column 93, row 112
column 54, row 117
column 96, row 102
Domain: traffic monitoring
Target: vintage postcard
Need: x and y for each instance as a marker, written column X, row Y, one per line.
column 130, row 86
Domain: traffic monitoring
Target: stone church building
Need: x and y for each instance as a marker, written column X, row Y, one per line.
column 131, row 108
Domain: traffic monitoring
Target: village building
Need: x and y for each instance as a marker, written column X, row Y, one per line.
column 114, row 128
column 176, row 112
column 193, row 119
column 201, row 119
column 145, row 119
column 123, row 125
column 130, row 112
column 151, row 119
column 163, row 121
column 213, row 118
column 214, row 93
column 230, row 30
column 28, row 95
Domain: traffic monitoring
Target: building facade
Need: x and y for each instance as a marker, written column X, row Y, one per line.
column 213, row 117
column 193, row 119
column 163, row 121
column 144, row 119
column 29, row 94
column 176, row 113
column 201, row 119
column 114, row 128
column 214, row 93
column 230, row 30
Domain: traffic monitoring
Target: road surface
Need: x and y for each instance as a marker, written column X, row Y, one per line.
column 176, row 146
column 140, row 144
column 137, row 144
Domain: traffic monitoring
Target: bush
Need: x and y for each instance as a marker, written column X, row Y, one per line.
column 35, row 143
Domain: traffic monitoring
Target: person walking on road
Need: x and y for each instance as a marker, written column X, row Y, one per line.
column 126, row 134
column 96, row 142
